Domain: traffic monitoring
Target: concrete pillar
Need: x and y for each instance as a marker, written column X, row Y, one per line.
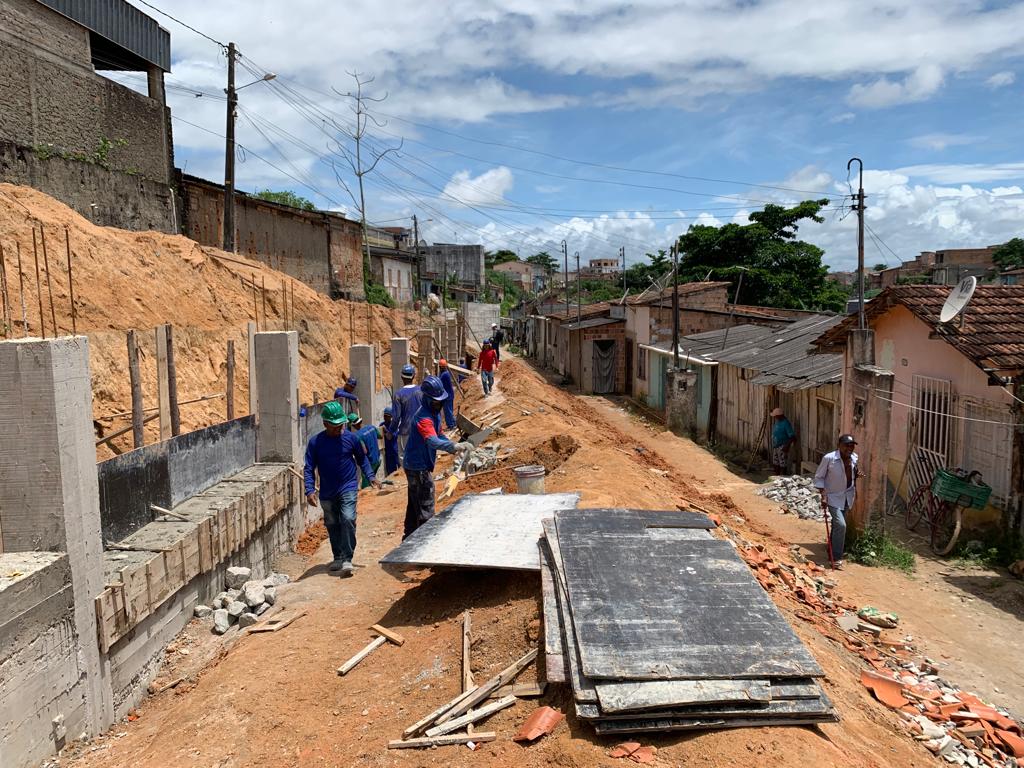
column 49, row 496
column 399, row 357
column 424, row 352
column 277, row 381
column 361, row 361
column 453, row 339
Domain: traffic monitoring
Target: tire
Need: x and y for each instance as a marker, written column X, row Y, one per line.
column 946, row 528
column 917, row 506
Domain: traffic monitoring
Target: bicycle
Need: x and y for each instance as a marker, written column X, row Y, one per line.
column 941, row 503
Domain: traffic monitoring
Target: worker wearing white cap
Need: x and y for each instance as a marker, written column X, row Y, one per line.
column 783, row 436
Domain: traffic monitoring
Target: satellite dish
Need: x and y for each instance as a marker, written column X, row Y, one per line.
column 958, row 298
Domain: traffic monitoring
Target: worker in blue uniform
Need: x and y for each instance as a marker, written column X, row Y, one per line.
column 405, row 405
column 389, row 428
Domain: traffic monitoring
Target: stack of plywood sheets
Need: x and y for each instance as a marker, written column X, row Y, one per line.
column 657, row 625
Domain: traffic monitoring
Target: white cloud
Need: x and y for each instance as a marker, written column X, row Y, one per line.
column 1001, row 79
column 845, row 117
column 917, row 86
column 965, row 173
column 940, row 141
column 488, row 188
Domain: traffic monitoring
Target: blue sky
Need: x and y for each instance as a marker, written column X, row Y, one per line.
column 513, row 111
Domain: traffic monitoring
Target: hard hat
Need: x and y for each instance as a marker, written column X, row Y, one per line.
column 333, row 413
column 355, row 418
column 487, row 341
column 433, row 389
column 494, row 325
column 353, row 382
column 408, row 371
column 388, row 410
column 442, row 363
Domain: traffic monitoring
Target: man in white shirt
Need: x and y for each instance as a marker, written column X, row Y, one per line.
column 836, row 478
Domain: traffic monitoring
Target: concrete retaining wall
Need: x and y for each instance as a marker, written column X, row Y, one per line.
column 478, row 318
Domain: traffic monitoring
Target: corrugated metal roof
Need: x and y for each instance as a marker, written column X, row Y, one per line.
column 992, row 336
column 781, row 356
column 594, row 322
column 120, row 23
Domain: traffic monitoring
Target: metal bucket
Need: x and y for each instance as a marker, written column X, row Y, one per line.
column 530, row 479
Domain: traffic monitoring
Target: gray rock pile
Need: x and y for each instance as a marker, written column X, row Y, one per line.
column 244, row 600
column 796, row 495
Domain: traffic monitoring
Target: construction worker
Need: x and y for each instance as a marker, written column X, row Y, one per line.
column 497, row 339
column 420, row 453
column 368, row 436
column 487, row 362
column 449, row 404
column 346, row 396
column 783, row 437
column 405, row 405
column 333, row 455
column 390, row 431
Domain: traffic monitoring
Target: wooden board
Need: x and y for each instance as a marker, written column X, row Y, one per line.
column 554, row 650
column 631, row 696
column 482, row 531
column 647, row 608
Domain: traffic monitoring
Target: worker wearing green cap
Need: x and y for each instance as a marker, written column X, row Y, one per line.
column 333, row 455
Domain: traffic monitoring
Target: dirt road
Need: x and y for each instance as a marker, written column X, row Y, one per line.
column 275, row 699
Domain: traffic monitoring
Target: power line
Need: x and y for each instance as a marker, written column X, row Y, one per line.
column 874, row 234
column 182, row 23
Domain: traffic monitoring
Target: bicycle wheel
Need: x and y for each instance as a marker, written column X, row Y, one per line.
column 946, row 527
column 917, row 506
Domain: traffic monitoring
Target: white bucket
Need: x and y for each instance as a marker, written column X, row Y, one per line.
column 530, row 479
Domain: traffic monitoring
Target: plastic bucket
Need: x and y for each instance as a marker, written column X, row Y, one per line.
column 530, row 479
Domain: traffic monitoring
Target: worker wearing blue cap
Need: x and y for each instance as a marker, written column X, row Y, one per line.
column 405, row 405
column 390, row 430
column 346, row 396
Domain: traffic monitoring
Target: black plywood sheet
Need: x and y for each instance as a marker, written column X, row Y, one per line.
column 783, row 709
column 554, row 648
column 648, row 608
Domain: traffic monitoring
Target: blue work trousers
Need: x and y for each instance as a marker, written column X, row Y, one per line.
column 340, row 522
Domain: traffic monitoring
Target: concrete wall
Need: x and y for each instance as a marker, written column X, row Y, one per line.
column 587, row 337
column 105, row 197
column 466, row 262
column 50, row 95
column 322, row 250
column 397, row 277
column 478, row 318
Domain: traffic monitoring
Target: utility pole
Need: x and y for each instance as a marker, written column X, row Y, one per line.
column 416, row 239
column 622, row 253
column 579, row 314
column 859, row 208
column 565, row 275
column 229, row 156
column 675, row 306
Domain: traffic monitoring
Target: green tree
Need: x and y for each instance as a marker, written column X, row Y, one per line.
column 285, row 197
column 545, row 260
column 879, row 267
column 778, row 269
column 1009, row 255
column 493, row 258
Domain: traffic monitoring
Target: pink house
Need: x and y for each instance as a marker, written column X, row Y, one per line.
column 955, row 387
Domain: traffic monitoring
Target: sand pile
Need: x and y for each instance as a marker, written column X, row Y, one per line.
column 138, row 280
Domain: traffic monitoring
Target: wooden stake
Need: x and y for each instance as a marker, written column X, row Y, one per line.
column 390, row 634
column 292, row 303
column 129, row 428
column 71, row 284
column 5, row 318
column 349, row 665
column 255, row 305
column 471, row 717
column 443, row 741
column 467, row 672
column 21, row 291
column 39, row 290
column 482, row 692
column 254, row 395
column 138, row 437
column 49, row 283
column 421, row 725
column 172, row 384
column 163, row 385
column 231, row 379
column 263, row 295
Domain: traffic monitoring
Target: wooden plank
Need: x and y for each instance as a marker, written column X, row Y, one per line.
column 254, row 396
column 473, row 716
column 481, row 531
column 135, row 380
column 172, row 383
column 521, row 691
column 443, row 741
column 163, row 382
column 554, row 650
column 278, row 623
column 631, row 696
column 646, row 607
column 582, row 686
column 467, row 672
column 421, row 725
column 394, row 637
column 349, row 665
column 481, row 692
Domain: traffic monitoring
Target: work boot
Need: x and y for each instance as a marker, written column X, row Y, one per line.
column 347, row 569
column 336, row 565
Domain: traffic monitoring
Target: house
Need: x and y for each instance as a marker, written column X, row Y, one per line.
column 954, row 385
column 393, row 262
column 601, row 269
column 551, row 337
column 461, row 266
column 520, row 272
column 1012, row 276
column 596, row 354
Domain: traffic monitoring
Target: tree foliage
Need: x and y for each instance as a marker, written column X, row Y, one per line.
column 778, row 269
column 544, row 260
column 1009, row 255
column 493, row 258
column 285, row 197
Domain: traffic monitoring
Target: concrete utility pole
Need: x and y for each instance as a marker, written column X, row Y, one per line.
column 675, row 306
column 622, row 253
column 229, row 156
column 859, row 208
column 565, row 276
column 416, row 240
column 579, row 314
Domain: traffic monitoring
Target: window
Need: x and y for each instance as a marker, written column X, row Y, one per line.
column 390, row 283
column 641, row 363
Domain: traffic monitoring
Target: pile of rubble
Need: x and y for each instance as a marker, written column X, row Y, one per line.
column 796, row 495
column 244, row 600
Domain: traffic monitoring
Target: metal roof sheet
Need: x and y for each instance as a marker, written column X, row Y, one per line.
column 120, row 23
column 594, row 322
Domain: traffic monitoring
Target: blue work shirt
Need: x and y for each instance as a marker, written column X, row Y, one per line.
column 335, row 460
column 782, row 432
column 406, row 405
column 390, row 438
column 368, row 437
column 424, row 441
column 446, row 382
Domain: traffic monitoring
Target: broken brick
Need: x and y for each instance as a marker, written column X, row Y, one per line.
column 1012, row 741
column 543, row 721
column 886, row 690
column 625, row 749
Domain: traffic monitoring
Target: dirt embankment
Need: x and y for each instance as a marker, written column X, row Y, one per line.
column 138, row 280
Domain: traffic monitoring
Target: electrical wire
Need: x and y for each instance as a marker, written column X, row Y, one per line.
column 182, row 23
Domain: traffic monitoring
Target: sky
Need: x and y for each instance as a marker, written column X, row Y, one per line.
column 522, row 123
